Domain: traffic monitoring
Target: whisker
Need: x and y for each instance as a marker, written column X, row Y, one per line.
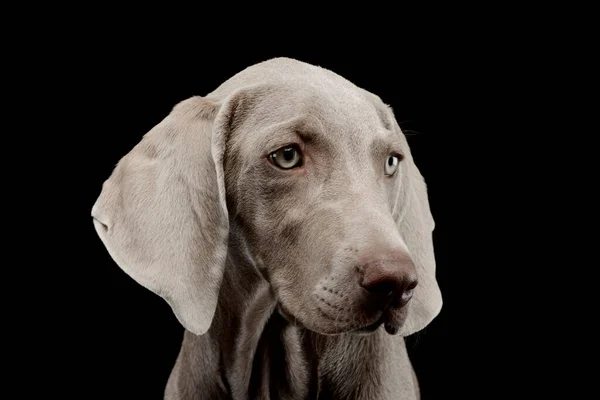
column 409, row 132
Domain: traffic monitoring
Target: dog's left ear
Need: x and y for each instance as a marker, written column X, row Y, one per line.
column 162, row 214
column 416, row 224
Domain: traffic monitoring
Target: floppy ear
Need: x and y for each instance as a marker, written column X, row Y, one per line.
column 162, row 214
column 416, row 225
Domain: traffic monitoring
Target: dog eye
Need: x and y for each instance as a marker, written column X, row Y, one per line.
column 287, row 157
column 391, row 164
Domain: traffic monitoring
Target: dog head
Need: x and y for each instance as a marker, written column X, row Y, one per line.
column 315, row 174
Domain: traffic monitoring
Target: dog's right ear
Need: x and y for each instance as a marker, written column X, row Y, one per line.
column 162, row 214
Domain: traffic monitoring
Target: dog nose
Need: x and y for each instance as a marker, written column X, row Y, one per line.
column 389, row 281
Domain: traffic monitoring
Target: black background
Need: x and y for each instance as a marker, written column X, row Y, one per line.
column 480, row 86
column 129, row 336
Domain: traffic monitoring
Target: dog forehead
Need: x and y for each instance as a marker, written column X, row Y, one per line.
column 330, row 113
column 283, row 93
column 288, row 87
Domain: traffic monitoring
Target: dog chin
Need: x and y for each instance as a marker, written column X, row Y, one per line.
column 391, row 327
column 369, row 329
column 392, row 322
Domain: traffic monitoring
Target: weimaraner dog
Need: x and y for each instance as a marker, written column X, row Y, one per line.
column 284, row 221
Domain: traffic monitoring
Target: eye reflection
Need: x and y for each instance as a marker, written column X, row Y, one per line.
column 391, row 164
column 287, row 157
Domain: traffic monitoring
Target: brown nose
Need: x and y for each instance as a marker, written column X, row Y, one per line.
column 389, row 281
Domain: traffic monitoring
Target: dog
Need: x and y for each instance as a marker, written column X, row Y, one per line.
column 283, row 219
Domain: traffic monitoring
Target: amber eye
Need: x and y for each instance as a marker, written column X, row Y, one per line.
column 391, row 164
column 287, row 157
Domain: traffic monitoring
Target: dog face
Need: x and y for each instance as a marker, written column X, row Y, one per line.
column 317, row 177
column 315, row 191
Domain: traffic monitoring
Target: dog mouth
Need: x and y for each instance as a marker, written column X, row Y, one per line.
column 390, row 319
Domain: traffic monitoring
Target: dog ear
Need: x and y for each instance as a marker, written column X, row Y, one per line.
column 415, row 223
column 162, row 213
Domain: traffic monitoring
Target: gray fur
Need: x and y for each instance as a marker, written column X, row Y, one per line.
column 260, row 265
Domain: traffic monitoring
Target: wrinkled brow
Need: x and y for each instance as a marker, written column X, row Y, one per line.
column 382, row 146
column 305, row 129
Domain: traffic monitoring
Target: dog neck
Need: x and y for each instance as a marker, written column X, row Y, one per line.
column 259, row 351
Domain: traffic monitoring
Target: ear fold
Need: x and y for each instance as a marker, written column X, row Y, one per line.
column 162, row 213
column 416, row 225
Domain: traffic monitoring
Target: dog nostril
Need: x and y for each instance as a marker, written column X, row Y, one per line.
column 407, row 293
column 389, row 282
column 412, row 284
column 382, row 287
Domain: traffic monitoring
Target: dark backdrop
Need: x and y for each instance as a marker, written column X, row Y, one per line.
column 133, row 335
